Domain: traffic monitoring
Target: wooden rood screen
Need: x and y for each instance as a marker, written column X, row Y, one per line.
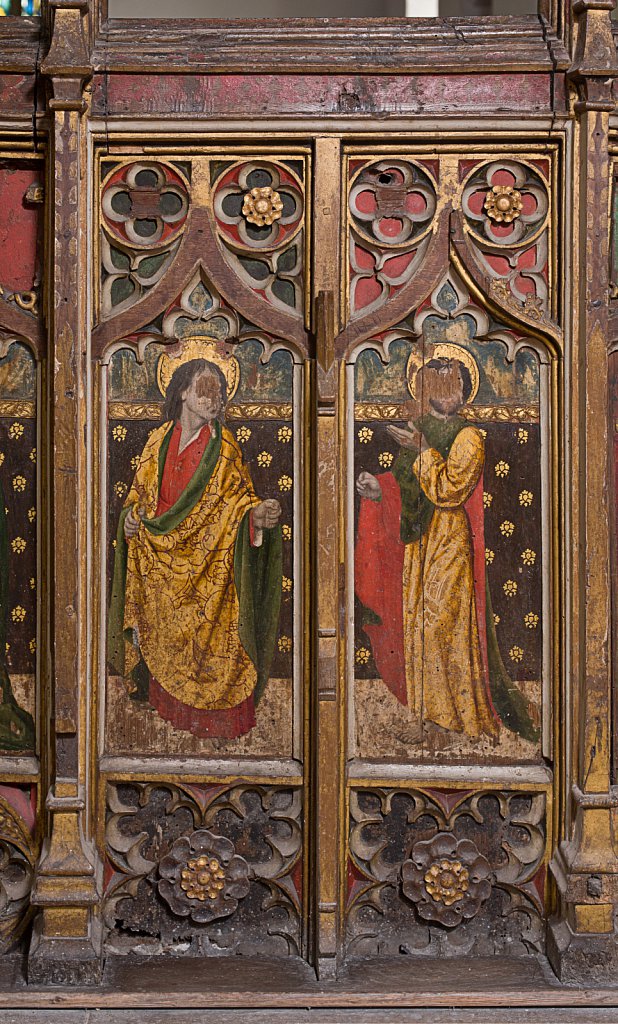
column 307, row 460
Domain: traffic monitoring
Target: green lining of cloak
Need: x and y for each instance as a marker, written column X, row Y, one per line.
column 257, row 575
column 416, row 514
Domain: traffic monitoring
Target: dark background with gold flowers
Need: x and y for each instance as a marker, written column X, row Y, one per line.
column 504, row 443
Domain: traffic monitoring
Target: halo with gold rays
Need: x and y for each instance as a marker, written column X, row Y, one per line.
column 199, row 348
column 442, row 350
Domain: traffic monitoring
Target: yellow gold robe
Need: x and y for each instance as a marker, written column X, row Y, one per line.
column 181, row 604
column 444, row 670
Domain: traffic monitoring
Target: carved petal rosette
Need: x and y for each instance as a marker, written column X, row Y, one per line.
column 446, row 879
column 202, row 878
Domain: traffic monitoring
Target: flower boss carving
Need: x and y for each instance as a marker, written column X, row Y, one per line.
column 448, row 881
column 202, row 877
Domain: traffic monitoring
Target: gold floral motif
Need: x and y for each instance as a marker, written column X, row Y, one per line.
column 234, row 411
column 18, row 545
column 489, row 556
column 284, row 644
column 15, row 431
column 284, row 434
column 531, row 620
column 284, row 483
column 19, row 483
column 135, row 462
column 528, row 556
column 502, row 468
column 243, row 434
column 362, row 656
column 447, row 881
column 264, row 459
column 525, row 498
column 31, row 515
column 487, row 499
column 120, row 488
column 503, row 204
column 119, row 433
column 522, row 436
column 286, row 532
column 507, row 528
column 286, row 584
column 365, row 434
column 32, row 583
column 32, row 646
column 516, row 653
column 510, row 588
column 32, row 455
column 18, row 613
column 496, row 620
column 386, row 459
column 262, row 206
column 203, row 878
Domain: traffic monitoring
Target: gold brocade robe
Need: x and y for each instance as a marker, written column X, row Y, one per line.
column 181, row 604
column 444, row 669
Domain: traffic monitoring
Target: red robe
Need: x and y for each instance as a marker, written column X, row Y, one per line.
column 227, row 723
column 378, row 574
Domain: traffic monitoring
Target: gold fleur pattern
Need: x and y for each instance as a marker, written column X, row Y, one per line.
column 18, row 545
column 516, row 653
column 286, row 584
column 522, row 435
column 31, row 514
column 18, row 614
column 525, row 498
column 264, row 459
column 528, row 556
column 531, row 620
column 507, row 528
column 16, row 430
column 286, row 532
column 243, row 434
column 365, row 434
column 362, row 656
column 32, row 646
column 134, row 462
column 489, row 556
column 497, row 620
column 19, row 483
column 32, row 583
column 120, row 488
column 386, row 459
column 284, row 435
column 119, row 433
column 284, row 483
column 487, row 499
column 510, row 588
column 284, row 644
column 32, row 455
column 501, row 468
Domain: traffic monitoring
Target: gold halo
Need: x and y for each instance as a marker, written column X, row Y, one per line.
column 443, row 350
column 199, row 348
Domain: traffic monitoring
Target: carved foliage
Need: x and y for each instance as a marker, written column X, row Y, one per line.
column 203, row 869
column 441, row 873
column 17, row 859
column 259, row 213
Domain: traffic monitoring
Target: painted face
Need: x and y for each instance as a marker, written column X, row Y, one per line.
column 444, row 387
column 203, row 396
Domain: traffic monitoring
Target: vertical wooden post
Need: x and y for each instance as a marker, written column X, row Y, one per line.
column 327, row 717
column 583, row 943
column 65, row 947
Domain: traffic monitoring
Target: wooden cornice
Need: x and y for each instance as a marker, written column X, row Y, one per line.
column 333, row 45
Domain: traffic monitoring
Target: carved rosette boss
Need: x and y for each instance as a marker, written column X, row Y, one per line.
column 202, row 877
column 446, row 879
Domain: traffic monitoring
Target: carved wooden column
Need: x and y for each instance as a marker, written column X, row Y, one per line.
column 65, row 947
column 329, row 565
column 583, row 943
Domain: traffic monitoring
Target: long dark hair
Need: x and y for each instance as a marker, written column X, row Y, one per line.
column 466, row 379
column 182, row 379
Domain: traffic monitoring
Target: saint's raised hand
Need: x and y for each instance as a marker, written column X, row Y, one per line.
column 266, row 514
column 407, row 438
column 368, row 486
